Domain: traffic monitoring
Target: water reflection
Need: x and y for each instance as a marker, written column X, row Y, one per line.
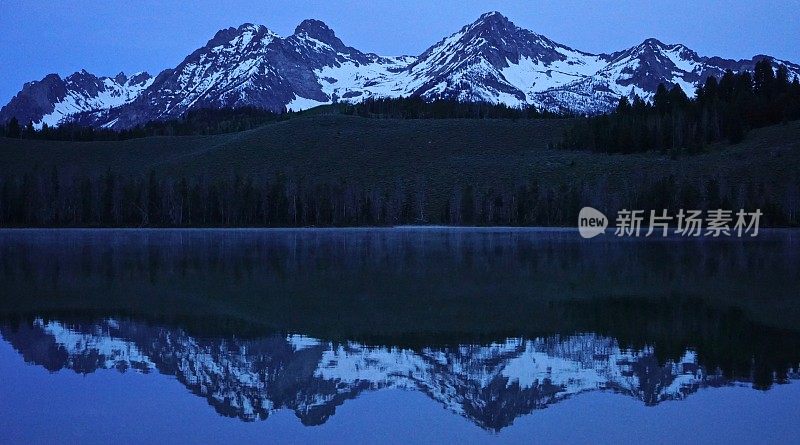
column 491, row 324
column 491, row 385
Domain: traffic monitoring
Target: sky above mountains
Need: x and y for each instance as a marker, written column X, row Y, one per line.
column 107, row 37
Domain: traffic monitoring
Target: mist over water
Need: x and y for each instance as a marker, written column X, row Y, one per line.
column 490, row 326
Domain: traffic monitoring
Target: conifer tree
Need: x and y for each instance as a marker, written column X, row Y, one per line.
column 13, row 129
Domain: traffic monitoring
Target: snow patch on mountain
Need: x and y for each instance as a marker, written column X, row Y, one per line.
column 353, row 82
column 110, row 93
column 490, row 60
column 301, row 103
column 531, row 76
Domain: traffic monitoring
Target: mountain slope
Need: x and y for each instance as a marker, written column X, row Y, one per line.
column 490, row 60
column 639, row 70
column 494, row 60
column 53, row 99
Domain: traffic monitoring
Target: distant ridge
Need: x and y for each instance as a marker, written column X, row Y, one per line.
column 489, row 60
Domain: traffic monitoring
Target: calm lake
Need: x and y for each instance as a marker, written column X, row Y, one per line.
column 397, row 335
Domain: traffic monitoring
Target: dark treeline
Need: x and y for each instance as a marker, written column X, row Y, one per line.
column 52, row 199
column 195, row 122
column 206, row 121
column 723, row 109
column 416, row 107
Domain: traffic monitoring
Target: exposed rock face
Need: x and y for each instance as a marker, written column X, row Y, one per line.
column 490, row 60
column 53, row 99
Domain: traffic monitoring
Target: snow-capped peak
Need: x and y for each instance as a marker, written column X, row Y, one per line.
column 494, row 60
column 488, row 60
column 53, row 100
column 317, row 29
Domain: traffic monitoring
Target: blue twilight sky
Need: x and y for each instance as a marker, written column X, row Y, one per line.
column 108, row 36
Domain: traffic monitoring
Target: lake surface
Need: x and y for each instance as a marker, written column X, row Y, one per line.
column 396, row 336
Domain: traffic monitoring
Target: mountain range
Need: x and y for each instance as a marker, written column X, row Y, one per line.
column 249, row 379
column 490, row 60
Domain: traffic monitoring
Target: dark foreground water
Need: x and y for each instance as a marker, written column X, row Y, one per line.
column 396, row 336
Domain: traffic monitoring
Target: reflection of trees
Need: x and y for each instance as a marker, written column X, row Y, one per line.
column 731, row 300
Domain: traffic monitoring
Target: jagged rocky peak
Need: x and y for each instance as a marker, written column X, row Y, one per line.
column 490, row 59
column 48, row 80
column 139, row 78
column 489, row 30
column 35, row 99
column 497, row 40
column 319, row 46
column 251, row 27
column 257, row 31
column 498, row 31
column 84, row 79
column 245, row 33
column 640, row 69
column 311, row 31
column 316, row 29
column 222, row 36
column 660, row 52
column 53, row 99
column 493, row 23
column 494, row 30
column 81, row 76
column 653, row 42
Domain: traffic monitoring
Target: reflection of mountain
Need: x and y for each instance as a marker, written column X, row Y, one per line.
column 491, row 384
column 206, row 305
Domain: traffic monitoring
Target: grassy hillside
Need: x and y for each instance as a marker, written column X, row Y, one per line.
column 439, row 155
column 327, row 147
